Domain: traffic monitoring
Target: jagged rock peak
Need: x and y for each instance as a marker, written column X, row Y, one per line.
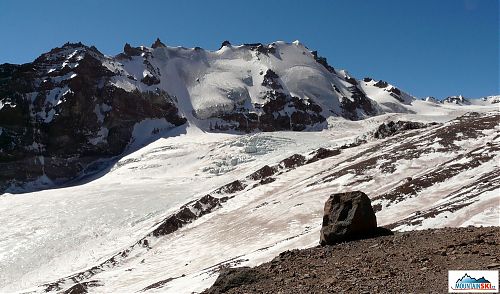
column 79, row 45
column 158, row 44
column 431, row 99
column 322, row 60
column 67, row 50
column 381, row 84
column 456, row 99
column 131, row 51
column 73, row 45
column 225, row 43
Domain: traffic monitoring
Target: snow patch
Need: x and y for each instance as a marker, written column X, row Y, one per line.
column 100, row 137
column 148, row 128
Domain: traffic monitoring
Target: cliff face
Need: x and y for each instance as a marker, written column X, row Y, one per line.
column 60, row 113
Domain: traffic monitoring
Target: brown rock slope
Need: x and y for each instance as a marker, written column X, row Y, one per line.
column 409, row 262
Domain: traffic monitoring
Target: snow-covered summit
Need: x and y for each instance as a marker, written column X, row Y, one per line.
column 90, row 103
column 461, row 100
column 74, row 102
column 241, row 80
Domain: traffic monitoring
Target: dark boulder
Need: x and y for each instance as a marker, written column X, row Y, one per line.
column 349, row 216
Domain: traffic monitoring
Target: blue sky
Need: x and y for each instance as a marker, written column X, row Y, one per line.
column 426, row 47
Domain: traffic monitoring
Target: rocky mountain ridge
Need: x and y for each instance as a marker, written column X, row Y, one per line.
column 461, row 100
column 60, row 113
column 74, row 106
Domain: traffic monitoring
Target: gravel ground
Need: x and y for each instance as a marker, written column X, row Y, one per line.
column 409, row 262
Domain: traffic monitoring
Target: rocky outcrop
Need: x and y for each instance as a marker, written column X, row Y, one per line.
column 322, row 60
column 262, row 173
column 432, row 99
column 271, row 80
column 234, row 277
column 150, row 80
column 348, row 216
column 381, row 84
column 188, row 213
column 293, row 161
column 301, row 113
column 131, row 51
column 358, row 101
column 280, row 111
column 261, row 48
column 158, row 44
column 225, row 43
column 456, row 100
column 492, row 99
column 395, row 93
column 392, row 128
column 323, row 153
